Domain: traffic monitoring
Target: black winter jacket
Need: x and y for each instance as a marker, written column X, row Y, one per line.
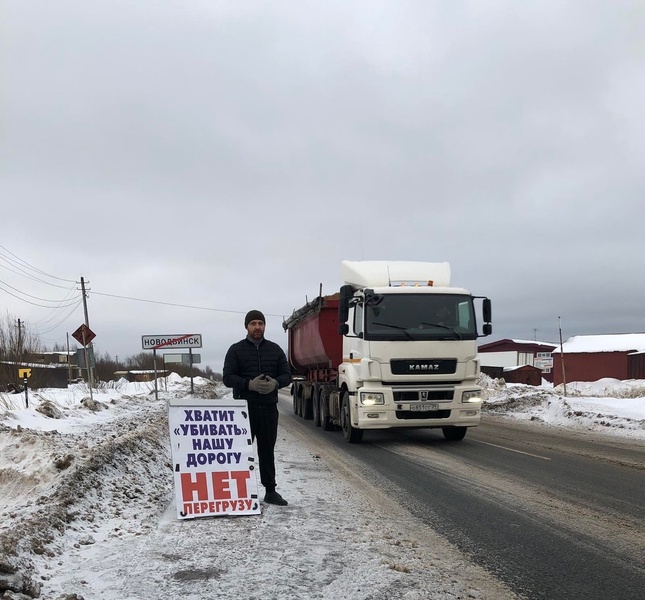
column 245, row 361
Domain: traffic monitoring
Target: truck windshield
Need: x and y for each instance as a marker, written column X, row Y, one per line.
column 396, row 317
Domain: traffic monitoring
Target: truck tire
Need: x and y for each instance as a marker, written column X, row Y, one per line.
column 307, row 411
column 351, row 434
column 454, row 434
column 297, row 399
column 315, row 405
column 325, row 419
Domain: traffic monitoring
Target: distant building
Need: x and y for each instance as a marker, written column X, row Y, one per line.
column 141, row 374
column 525, row 374
column 47, row 369
column 593, row 357
column 510, row 354
column 40, row 375
column 55, row 357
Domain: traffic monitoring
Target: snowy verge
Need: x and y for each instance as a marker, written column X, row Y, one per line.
column 606, row 406
column 88, row 505
column 90, row 515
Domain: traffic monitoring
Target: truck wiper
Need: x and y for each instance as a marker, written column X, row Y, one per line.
column 441, row 326
column 399, row 327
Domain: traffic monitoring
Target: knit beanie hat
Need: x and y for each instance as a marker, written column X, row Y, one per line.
column 253, row 315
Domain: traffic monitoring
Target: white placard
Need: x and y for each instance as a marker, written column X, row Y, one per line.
column 213, row 460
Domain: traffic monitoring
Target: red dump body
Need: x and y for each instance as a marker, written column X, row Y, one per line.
column 315, row 348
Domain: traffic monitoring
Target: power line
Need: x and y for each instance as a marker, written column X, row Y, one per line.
column 18, row 263
column 22, row 262
column 28, row 301
column 64, row 318
column 26, row 275
column 22, row 268
column 237, row 312
column 61, row 307
column 30, row 296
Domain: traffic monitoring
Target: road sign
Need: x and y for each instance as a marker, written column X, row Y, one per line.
column 173, row 358
column 83, row 335
column 182, row 358
column 80, row 358
column 173, row 340
column 543, row 363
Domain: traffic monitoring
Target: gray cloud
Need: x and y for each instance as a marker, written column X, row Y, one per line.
column 230, row 155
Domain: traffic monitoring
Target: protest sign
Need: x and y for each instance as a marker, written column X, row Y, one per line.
column 213, row 460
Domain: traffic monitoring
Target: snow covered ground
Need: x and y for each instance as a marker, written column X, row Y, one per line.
column 603, row 406
column 87, row 505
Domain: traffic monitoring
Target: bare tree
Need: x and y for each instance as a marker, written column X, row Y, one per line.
column 105, row 367
column 17, row 343
column 143, row 361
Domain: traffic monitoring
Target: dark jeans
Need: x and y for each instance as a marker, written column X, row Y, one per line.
column 264, row 427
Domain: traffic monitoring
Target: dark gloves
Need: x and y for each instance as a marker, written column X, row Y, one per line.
column 263, row 384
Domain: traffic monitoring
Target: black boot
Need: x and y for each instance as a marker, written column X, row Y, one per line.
column 272, row 497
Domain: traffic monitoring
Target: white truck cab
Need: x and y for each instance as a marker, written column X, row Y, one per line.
column 409, row 349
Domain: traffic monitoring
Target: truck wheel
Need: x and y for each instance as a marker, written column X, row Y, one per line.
column 315, row 401
column 454, row 434
column 325, row 420
column 351, row 434
column 307, row 411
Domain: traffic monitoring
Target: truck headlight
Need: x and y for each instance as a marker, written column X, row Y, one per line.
column 372, row 398
column 474, row 396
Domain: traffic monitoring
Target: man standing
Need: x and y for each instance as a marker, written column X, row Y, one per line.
column 256, row 368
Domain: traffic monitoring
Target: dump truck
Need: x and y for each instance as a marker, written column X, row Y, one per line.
column 395, row 347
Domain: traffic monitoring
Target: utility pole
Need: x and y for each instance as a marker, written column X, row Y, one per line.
column 20, row 326
column 69, row 363
column 90, row 374
column 564, row 378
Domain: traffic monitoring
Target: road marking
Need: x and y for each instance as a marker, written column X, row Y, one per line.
column 511, row 449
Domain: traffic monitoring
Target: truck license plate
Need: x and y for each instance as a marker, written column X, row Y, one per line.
column 423, row 406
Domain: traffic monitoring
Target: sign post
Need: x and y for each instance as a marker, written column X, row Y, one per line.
column 190, row 356
column 25, row 374
column 212, row 457
column 85, row 335
column 155, row 342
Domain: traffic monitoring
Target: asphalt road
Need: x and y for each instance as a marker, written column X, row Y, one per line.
column 553, row 514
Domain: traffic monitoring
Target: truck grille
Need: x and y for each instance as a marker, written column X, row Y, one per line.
column 429, row 414
column 415, row 395
column 423, row 366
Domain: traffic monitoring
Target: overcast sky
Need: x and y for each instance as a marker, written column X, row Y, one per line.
column 228, row 155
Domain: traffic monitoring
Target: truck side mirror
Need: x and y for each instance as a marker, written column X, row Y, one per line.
column 487, row 329
column 346, row 294
column 343, row 328
column 487, row 310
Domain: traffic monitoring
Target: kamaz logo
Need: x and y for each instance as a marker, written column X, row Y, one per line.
column 424, row 367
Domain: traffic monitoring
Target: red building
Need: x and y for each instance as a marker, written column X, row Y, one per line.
column 593, row 357
column 510, row 354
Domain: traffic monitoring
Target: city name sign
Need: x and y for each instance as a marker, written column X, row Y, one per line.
column 176, row 340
